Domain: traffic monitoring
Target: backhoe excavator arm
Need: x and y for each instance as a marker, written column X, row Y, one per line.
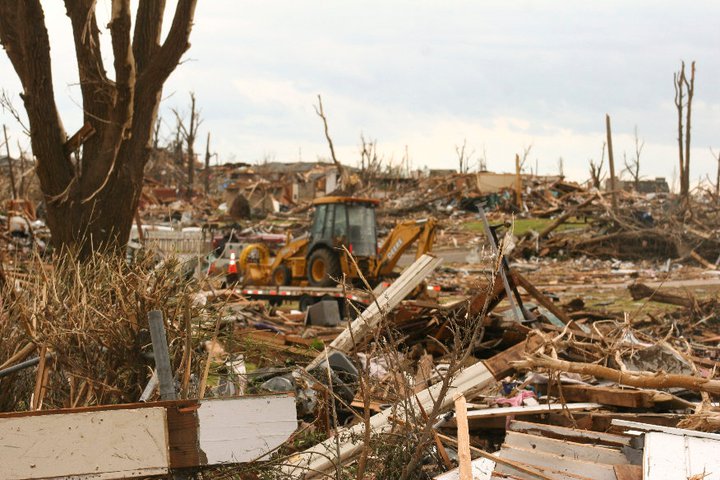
column 401, row 237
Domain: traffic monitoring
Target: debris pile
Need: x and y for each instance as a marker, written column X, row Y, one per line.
column 554, row 338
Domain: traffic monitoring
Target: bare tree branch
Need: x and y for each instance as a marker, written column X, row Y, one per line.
column 321, row 113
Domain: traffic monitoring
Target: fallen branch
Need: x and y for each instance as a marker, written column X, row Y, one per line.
column 633, row 379
column 638, row 291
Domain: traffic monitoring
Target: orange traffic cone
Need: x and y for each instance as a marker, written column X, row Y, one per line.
column 232, row 272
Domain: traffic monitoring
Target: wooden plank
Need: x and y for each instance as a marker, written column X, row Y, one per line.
column 670, row 457
column 100, row 444
column 616, row 396
column 557, row 464
column 628, row 472
column 463, row 436
column 386, row 301
column 324, row 456
column 578, row 436
column 527, row 472
column 541, row 299
column 647, row 427
column 244, row 429
column 182, row 424
column 482, row 469
column 479, row 415
column 564, row 448
column 505, row 471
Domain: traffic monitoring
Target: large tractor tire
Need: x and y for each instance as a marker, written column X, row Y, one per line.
column 323, row 268
column 281, row 276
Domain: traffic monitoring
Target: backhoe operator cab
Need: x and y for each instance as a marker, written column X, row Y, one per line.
column 340, row 222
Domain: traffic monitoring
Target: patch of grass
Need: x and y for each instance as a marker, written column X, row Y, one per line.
column 524, row 225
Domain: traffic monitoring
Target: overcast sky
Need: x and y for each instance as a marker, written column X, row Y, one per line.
column 428, row 74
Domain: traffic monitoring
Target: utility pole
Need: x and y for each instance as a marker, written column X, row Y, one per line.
column 612, row 163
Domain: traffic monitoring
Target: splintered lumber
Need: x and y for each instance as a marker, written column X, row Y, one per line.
column 463, row 436
column 571, row 434
column 144, row 439
column 324, row 456
column 541, row 299
column 633, row 379
column 475, row 416
column 515, row 467
column 564, row 448
column 555, row 466
column 628, row 472
column 104, row 444
column 364, row 324
column 618, row 397
column 638, row 291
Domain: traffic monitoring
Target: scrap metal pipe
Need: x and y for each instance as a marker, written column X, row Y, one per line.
column 23, row 365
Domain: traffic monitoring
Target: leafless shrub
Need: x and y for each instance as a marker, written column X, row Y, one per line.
column 92, row 318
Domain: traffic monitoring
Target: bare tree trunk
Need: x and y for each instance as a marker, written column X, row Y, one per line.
column 91, row 200
column 684, row 87
column 679, row 95
column 518, row 183
column 207, row 165
column 321, row 113
column 690, row 88
column 717, row 180
column 596, row 170
column 611, row 162
column 156, row 134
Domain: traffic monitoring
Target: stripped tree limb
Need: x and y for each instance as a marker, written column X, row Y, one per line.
column 633, row 379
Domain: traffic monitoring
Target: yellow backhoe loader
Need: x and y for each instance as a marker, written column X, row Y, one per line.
column 319, row 258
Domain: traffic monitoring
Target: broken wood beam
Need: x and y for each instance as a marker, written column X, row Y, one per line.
column 541, row 299
column 326, row 455
column 617, row 396
column 463, row 438
column 364, row 324
column 520, row 467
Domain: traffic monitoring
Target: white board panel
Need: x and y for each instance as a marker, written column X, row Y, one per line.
column 671, row 457
column 244, row 429
column 97, row 444
column 482, row 469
